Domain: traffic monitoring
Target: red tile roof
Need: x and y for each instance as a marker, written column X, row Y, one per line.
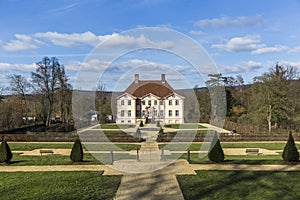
column 142, row 88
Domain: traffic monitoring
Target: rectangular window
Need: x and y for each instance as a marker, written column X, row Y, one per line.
column 149, row 102
column 177, row 113
column 129, row 121
column 122, row 102
column 129, row 102
column 122, row 113
column 122, row 121
column 143, row 102
column 161, row 113
column 170, row 102
column 170, row 113
column 176, row 102
column 155, row 113
column 155, row 102
column 129, row 113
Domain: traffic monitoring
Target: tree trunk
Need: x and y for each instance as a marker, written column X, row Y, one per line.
column 269, row 117
column 48, row 122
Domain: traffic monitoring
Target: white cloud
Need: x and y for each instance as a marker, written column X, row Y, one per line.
column 6, row 67
column 193, row 32
column 295, row 50
column 251, row 43
column 247, row 43
column 22, row 43
column 111, row 40
column 228, row 22
column 242, row 67
column 274, row 49
column 93, row 65
column 69, row 40
column 289, row 63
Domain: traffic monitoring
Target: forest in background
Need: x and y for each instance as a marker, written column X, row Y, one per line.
column 271, row 103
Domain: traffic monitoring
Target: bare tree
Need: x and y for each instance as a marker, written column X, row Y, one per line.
column 46, row 81
column 20, row 86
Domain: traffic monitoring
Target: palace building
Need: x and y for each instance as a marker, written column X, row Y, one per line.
column 152, row 99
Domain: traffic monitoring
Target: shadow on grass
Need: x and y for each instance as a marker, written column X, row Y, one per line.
column 240, row 185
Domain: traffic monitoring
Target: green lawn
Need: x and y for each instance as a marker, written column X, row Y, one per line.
column 235, row 159
column 22, row 146
column 197, row 146
column 184, row 126
column 57, row 185
column 247, row 185
column 114, row 126
column 95, row 159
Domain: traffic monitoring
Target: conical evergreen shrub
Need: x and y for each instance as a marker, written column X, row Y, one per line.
column 77, row 152
column 5, row 152
column 141, row 123
column 290, row 152
column 216, row 153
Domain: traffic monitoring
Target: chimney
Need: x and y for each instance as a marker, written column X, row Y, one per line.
column 136, row 78
column 163, row 78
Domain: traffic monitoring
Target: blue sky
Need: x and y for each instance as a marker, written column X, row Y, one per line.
column 241, row 37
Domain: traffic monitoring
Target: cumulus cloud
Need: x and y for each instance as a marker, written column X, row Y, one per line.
column 295, row 50
column 242, row 67
column 251, row 43
column 93, row 65
column 110, row 40
column 229, row 22
column 6, row 67
column 247, row 43
column 289, row 63
column 264, row 50
column 22, row 43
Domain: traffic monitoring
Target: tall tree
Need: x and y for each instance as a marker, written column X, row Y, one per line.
column 64, row 94
column 20, row 86
column 270, row 102
column 46, row 81
column 103, row 105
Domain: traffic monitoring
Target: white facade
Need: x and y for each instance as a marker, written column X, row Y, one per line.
column 126, row 112
column 167, row 108
column 174, row 109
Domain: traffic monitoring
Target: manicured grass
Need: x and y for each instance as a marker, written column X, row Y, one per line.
column 114, row 147
column 240, row 185
column 15, row 146
column 95, row 159
column 236, row 159
column 57, row 185
column 197, row 146
column 22, row 146
column 114, row 126
column 184, row 126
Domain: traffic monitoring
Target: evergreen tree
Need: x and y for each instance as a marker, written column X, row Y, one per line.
column 216, row 153
column 77, row 152
column 290, row 152
column 5, row 152
column 141, row 124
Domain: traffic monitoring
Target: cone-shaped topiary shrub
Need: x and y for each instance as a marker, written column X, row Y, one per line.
column 77, row 152
column 141, row 123
column 290, row 152
column 216, row 153
column 5, row 153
